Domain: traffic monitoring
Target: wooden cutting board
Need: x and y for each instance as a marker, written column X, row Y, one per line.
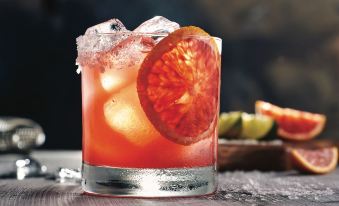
column 261, row 155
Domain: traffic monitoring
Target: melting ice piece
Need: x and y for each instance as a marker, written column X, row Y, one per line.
column 101, row 37
column 121, row 63
column 124, row 114
column 119, row 49
column 113, row 80
column 112, row 25
column 157, row 24
column 65, row 175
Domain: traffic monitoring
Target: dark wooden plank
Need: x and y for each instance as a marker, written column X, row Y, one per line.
column 40, row 192
column 250, row 155
column 235, row 188
column 261, row 155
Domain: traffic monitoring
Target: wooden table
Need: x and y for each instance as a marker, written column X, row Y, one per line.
column 235, row 188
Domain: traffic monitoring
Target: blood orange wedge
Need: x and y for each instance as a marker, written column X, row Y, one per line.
column 317, row 161
column 178, row 85
column 293, row 124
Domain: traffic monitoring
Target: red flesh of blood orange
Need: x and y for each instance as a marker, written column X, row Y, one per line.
column 293, row 124
column 317, row 161
column 178, row 85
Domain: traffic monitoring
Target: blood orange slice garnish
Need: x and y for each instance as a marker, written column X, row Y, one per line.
column 293, row 124
column 178, row 85
column 317, row 161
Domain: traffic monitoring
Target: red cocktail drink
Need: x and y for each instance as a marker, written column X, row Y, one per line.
column 150, row 108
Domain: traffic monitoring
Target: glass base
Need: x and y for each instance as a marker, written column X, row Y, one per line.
column 136, row 182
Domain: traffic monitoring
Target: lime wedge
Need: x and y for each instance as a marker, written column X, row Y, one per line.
column 227, row 121
column 255, row 126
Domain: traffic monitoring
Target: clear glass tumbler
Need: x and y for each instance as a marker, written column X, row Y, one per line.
column 150, row 108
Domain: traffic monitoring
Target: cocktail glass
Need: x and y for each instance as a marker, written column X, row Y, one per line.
column 150, row 103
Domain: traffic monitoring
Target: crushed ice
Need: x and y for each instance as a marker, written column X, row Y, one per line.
column 108, row 35
column 101, row 36
column 157, row 24
column 112, row 25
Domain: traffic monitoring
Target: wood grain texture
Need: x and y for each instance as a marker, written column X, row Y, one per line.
column 232, row 191
column 261, row 155
column 264, row 157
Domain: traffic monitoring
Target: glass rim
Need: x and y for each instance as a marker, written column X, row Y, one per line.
column 151, row 34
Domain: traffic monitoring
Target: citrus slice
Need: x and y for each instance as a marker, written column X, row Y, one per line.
column 293, row 124
column 317, row 161
column 178, row 85
column 227, row 121
column 255, row 126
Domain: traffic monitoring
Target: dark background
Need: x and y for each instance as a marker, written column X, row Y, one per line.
column 283, row 51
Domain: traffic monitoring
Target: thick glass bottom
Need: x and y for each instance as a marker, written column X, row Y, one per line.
column 136, row 182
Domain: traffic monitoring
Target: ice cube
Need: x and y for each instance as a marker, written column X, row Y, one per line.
column 124, row 114
column 127, row 52
column 157, row 24
column 110, row 26
column 101, row 37
column 130, row 52
column 113, row 80
column 126, row 56
column 110, row 45
column 110, row 82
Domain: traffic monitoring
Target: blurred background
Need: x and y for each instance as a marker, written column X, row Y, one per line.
column 284, row 51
